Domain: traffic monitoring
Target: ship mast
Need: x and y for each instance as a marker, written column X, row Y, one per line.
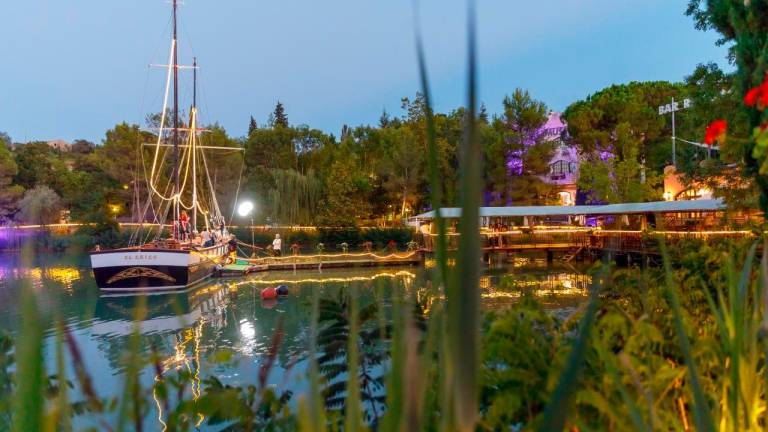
column 193, row 142
column 175, row 67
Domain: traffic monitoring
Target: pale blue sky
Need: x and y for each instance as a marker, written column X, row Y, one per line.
column 74, row 68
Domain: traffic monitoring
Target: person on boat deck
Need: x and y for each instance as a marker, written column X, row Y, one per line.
column 218, row 222
column 184, row 225
column 232, row 247
column 206, row 237
column 214, row 237
column 277, row 245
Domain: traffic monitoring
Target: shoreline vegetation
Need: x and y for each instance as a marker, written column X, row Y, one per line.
column 676, row 347
column 306, row 240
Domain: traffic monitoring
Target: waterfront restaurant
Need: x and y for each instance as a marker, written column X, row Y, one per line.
column 505, row 224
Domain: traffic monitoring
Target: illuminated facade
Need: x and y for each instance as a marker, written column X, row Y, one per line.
column 676, row 190
column 60, row 145
column 564, row 165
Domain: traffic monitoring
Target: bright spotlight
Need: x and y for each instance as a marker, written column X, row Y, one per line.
column 245, row 208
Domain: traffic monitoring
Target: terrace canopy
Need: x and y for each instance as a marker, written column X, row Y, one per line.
column 706, row 205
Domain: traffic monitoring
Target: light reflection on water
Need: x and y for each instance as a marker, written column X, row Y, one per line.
column 226, row 319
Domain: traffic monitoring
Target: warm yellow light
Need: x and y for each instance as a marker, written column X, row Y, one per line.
column 64, row 275
column 393, row 256
column 405, row 274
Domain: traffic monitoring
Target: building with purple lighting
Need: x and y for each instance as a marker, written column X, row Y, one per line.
column 564, row 165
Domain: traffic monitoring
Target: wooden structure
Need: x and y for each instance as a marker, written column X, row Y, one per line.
column 575, row 229
column 316, row 261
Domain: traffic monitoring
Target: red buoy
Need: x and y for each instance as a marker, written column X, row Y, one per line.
column 268, row 293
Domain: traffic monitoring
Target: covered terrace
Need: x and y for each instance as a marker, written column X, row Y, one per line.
column 623, row 226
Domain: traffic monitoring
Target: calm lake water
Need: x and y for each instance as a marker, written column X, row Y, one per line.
column 192, row 329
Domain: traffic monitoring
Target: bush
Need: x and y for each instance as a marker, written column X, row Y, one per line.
column 355, row 237
column 106, row 233
column 380, row 237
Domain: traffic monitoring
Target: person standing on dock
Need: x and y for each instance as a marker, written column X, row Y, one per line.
column 277, row 245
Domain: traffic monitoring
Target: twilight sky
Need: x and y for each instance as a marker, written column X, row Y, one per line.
column 74, row 68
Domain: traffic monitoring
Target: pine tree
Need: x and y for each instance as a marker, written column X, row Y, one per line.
column 483, row 115
column 519, row 154
column 384, row 119
column 279, row 117
column 252, row 126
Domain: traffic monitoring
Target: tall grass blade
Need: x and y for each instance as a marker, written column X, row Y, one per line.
column 464, row 289
column 764, row 299
column 634, row 411
column 738, row 308
column 391, row 421
column 436, row 186
column 439, row 277
column 131, row 400
column 28, row 407
column 62, row 418
column 420, row 399
column 556, row 412
column 353, row 420
column 312, row 416
column 701, row 413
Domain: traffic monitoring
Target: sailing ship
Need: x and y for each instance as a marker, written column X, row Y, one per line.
column 176, row 262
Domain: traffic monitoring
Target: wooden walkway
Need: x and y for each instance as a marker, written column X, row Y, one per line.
column 320, row 261
column 567, row 242
column 572, row 240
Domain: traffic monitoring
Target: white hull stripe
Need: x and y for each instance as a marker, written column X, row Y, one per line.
column 142, row 289
column 136, row 258
column 120, row 258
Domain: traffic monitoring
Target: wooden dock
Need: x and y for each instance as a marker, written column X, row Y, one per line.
column 245, row 266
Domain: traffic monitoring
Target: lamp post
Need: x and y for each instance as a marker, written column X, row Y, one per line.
column 672, row 107
column 244, row 209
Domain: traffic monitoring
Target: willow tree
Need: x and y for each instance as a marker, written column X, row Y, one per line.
column 742, row 24
column 294, row 197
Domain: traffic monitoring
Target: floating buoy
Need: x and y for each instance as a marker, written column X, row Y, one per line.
column 268, row 293
column 282, row 290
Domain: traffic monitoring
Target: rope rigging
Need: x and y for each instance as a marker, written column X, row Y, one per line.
column 172, row 195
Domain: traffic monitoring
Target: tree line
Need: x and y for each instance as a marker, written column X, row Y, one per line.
column 376, row 174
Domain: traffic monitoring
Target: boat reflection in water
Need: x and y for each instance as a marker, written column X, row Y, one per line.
column 224, row 329
column 162, row 313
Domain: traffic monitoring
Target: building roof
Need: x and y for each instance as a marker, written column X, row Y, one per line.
column 706, row 205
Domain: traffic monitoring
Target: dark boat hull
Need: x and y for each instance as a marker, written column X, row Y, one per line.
column 153, row 270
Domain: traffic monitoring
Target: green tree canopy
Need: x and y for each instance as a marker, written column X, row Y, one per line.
column 38, row 164
column 517, row 153
column 622, row 138
column 9, row 192
column 742, row 24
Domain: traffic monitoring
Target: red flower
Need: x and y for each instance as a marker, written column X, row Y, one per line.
column 715, row 132
column 758, row 95
column 751, row 98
